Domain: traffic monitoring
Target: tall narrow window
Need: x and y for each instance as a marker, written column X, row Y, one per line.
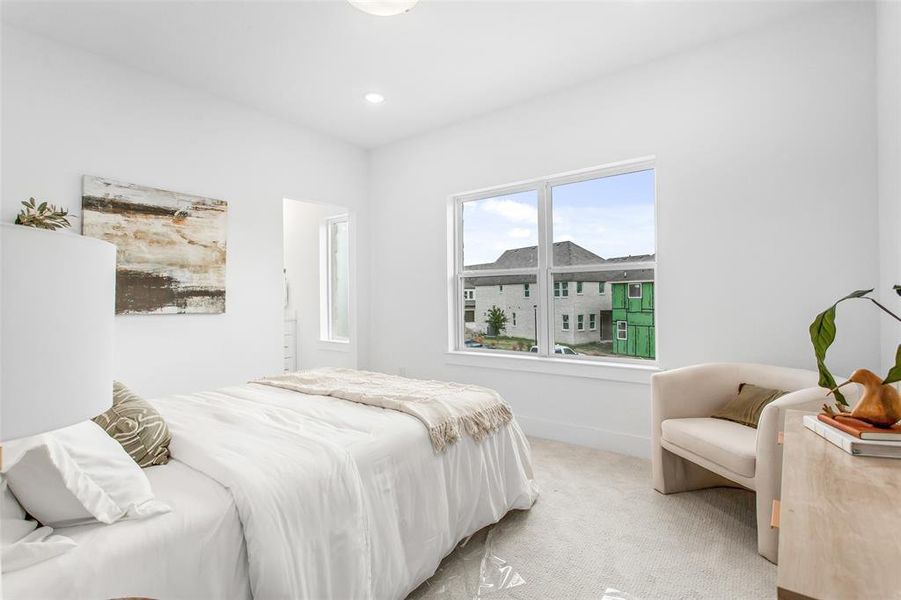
column 337, row 248
column 591, row 228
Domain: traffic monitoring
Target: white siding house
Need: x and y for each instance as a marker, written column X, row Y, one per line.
column 582, row 301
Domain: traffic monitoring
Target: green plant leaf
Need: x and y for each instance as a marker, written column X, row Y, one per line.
column 822, row 334
column 894, row 374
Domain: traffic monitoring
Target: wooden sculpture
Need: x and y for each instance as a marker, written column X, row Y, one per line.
column 880, row 404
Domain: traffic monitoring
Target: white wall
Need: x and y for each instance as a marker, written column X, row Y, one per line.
column 66, row 113
column 303, row 235
column 888, row 64
column 767, row 212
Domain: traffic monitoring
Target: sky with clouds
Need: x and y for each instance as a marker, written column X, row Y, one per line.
column 612, row 216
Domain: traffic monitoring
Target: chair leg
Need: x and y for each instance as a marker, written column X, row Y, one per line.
column 673, row 474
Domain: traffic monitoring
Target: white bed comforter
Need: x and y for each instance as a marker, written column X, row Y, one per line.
column 343, row 500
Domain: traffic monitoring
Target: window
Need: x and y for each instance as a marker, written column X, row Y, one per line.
column 592, row 227
column 500, row 289
column 337, row 327
column 513, row 320
column 469, row 294
column 469, row 316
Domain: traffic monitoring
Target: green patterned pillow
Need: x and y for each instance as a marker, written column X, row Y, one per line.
column 135, row 424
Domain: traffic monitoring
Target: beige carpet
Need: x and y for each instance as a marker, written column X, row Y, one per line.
column 600, row 531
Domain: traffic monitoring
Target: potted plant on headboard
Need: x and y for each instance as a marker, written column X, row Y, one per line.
column 42, row 216
column 880, row 403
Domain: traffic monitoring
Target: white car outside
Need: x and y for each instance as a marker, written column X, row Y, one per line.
column 558, row 349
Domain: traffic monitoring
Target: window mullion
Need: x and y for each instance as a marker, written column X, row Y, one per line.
column 545, row 288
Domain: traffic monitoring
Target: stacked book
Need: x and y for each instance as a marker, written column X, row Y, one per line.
column 855, row 436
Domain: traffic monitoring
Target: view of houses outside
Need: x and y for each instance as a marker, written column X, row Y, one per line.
column 599, row 222
column 587, row 306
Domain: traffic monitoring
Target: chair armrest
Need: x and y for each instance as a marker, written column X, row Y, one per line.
column 772, row 419
column 768, row 475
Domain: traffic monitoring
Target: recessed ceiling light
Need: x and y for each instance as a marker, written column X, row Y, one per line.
column 374, row 98
column 384, row 8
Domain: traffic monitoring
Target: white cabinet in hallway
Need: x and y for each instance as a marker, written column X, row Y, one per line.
column 290, row 341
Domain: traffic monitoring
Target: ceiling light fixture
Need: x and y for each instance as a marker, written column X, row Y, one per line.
column 374, row 98
column 384, row 8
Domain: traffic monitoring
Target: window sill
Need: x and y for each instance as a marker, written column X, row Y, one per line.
column 334, row 345
column 564, row 367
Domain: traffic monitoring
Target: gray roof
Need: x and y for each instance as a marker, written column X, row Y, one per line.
column 565, row 254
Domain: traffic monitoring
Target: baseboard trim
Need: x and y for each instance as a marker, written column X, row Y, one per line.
column 581, row 435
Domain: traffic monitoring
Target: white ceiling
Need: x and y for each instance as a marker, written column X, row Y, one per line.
column 444, row 61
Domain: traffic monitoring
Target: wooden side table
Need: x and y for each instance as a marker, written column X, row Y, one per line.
column 840, row 521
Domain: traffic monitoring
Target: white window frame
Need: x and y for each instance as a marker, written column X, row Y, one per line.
column 629, row 295
column 602, row 288
column 580, row 322
column 526, row 290
column 564, row 322
column 545, row 271
column 624, row 331
column 469, row 294
column 326, row 333
column 580, row 288
column 561, row 289
column 513, row 319
column 592, row 322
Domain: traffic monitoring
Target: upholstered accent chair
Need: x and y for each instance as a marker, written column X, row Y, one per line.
column 692, row 451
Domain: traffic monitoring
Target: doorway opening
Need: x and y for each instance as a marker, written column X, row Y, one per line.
column 318, row 285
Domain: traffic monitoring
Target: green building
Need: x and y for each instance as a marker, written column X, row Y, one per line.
column 633, row 318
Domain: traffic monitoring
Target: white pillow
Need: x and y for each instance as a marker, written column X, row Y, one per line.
column 79, row 474
column 22, row 543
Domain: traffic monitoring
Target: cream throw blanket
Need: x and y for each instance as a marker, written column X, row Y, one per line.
column 445, row 408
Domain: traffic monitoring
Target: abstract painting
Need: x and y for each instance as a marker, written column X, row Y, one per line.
column 170, row 247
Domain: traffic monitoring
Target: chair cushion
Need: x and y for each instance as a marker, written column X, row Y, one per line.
column 728, row 444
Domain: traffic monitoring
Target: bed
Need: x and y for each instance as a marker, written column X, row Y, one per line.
column 281, row 494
